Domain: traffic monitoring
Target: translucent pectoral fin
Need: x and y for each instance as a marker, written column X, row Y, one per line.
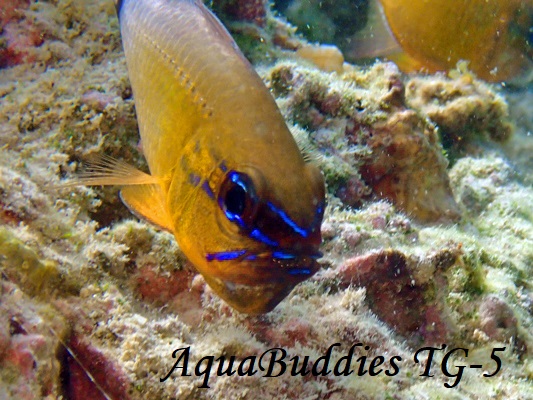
column 142, row 192
column 104, row 170
column 147, row 202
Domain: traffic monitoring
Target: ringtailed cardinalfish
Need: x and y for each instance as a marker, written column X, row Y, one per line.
column 226, row 175
column 495, row 37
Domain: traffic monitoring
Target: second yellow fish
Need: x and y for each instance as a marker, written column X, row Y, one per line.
column 492, row 35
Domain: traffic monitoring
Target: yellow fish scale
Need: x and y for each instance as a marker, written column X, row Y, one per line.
column 435, row 35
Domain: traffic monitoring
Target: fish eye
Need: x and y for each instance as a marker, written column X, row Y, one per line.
column 238, row 199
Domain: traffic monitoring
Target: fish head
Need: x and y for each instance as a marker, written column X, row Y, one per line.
column 278, row 242
column 254, row 238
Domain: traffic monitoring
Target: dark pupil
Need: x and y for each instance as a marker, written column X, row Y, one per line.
column 235, row 200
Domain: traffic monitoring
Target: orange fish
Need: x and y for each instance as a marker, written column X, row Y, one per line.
column 493, row 36
column 226, row 175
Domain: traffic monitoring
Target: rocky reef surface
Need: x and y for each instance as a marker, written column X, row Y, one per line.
column 428, row 233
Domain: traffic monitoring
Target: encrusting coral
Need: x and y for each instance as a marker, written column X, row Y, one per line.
column 87, row 288
column 368, row 136
column 465, row 110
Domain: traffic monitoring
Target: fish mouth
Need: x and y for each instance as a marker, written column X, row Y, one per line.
column 254, row 283
column 304, row 265
column 257, row 268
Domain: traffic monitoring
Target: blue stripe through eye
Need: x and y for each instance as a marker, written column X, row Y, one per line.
column 302, row 232
column 234, row 199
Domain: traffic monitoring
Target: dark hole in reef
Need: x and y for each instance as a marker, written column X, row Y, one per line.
column 15, row 327
column 111, row 211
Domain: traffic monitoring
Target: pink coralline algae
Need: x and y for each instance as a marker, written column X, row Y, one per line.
column 396, row 294
column 497, row 319
column 18, row 35
column 27, row 349
column 292, row 331
column 106, row 378
column 158, row 288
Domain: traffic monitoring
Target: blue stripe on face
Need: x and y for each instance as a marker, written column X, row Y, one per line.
column 225, row 255
column 207, row 189
column 256, row 234
column 283, row 215
column 288, row 256
column 236, row 254
column 234, row 218
column 194, row 179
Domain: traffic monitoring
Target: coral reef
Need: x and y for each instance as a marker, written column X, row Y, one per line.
column 373, row 143
column 91, row 375
column 85, row 288
column 464, row 109
column 400, row 293
column 260, row 36
column 29, row 367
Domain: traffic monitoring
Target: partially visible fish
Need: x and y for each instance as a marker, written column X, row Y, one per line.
column 226, row 176
column 493, row 36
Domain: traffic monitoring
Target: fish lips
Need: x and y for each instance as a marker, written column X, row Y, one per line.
column 279, row 266
column 299, row 267
column 256, row 284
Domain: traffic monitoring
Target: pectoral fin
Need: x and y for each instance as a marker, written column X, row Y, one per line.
column 148, row 202
column 104, row 170
column 142, row 192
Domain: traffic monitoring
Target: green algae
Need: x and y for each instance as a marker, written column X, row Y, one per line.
column 38, row 276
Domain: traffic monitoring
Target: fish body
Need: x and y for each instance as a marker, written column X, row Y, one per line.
column 494, row 36
column 226, row 176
